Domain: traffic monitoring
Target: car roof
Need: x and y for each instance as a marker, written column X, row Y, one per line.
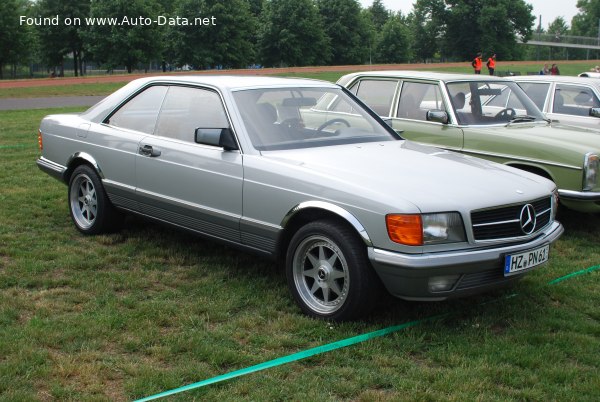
column 236, row 82
column 430, row 75
column 559, row 78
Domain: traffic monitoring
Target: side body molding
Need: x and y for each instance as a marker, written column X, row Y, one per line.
column 341, row 212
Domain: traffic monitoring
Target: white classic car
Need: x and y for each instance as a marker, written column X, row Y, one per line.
column 300, row 169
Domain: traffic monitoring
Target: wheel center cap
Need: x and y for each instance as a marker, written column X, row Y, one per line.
column 86, row 200
column 323, row 273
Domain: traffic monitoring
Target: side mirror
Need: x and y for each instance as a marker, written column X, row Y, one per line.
column 438, row 116
column 216, row 137
column 595, row 112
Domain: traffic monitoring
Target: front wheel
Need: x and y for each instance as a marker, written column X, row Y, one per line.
column 328, row 272
column 89, row 205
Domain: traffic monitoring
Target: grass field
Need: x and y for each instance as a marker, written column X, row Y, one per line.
column 128, row 315
column 570, row 68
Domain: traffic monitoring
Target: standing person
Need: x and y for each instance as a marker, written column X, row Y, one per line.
column 554, row 70
column 545, row 70
column 476, row 63
column 491, row 64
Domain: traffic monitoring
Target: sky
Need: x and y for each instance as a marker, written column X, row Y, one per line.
column 548, row 9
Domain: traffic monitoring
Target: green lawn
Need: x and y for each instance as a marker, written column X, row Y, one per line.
column 128, row 315
column 107, row 88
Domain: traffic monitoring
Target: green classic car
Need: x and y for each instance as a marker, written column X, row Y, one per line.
column 486, row 117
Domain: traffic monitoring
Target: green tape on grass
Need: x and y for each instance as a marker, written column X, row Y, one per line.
column 294, row 357
column 582, row 272
column 325, row 348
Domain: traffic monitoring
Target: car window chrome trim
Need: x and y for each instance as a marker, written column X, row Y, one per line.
column 169, row 84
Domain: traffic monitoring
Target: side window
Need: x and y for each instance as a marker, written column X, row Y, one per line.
column 574, row 99
column 141, row 112
column 185, row 109
column 537, row 92
column 378, row 95
column 417, row 98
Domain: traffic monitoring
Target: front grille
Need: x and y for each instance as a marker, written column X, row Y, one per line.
column 505, row 222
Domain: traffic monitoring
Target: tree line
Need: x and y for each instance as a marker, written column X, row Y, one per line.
column 262, row 32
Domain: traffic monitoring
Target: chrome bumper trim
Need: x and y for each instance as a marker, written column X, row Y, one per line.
column 457, row 258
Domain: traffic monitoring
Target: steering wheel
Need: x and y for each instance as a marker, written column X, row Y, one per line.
column 508, row 112
column 333, row 121
column 292, row 122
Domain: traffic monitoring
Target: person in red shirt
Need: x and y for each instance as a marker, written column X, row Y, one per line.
column 491, row 64
column 476, row 63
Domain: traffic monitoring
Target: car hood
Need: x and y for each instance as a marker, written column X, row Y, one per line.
column 402, row 173
column 579, row 139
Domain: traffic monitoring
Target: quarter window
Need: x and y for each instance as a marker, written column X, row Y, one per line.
column 141, row 112
column 185, row 109
column 378, row 95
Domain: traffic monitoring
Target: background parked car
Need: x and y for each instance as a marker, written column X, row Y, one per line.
column 300, row 171
column 488, row 117
column 568, row 100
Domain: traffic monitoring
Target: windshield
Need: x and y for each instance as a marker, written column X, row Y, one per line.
column 491, row 102
column 288, row 118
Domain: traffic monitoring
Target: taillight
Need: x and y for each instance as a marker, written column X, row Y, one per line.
column 40, row 142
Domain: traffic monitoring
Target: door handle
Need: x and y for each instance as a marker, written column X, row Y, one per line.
column 147, row 150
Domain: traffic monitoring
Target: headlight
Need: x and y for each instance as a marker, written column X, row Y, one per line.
column 418, row 230
column 591, row 168
column 555, row 200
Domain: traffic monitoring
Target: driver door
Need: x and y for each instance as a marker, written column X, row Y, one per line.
column 410, row 115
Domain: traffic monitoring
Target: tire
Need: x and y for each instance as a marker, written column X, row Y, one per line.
column 328, row 272
column 89, row 205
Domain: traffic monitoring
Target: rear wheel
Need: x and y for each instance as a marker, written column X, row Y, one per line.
column 89, row 205
column 328, row 272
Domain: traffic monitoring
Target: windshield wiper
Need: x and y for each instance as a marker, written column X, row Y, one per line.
column 522, row 119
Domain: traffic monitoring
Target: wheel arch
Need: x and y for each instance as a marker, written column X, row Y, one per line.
column 78, row 159
column 311, row 211
column 540, row 171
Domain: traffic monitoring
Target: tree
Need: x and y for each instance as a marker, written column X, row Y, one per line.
column 394, row 43
column 134, row 41
column 292, row 34
column 229, row 43
column 16, row 40
column 346, row 30
column 492, row 27
column 558, row 29
column 57, row 41
column 585, row 23
column 427, row 25
column 379, row 14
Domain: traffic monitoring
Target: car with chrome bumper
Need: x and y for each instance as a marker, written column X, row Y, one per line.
column 302, row 172
column 486, row 117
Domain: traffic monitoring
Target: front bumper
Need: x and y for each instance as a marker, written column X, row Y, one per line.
column 582, row 201
column 407, row 276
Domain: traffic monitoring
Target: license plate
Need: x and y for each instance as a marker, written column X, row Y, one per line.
column 526, row 260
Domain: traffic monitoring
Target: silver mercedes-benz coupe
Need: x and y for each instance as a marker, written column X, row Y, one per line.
column 301, row 171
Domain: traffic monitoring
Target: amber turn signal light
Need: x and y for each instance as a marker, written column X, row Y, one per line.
column 405, row 229
column 40, row 142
